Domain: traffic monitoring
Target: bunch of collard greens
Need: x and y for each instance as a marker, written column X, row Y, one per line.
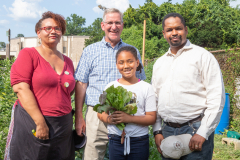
column 116, row 99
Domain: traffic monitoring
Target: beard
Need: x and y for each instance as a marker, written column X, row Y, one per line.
column 178, row 43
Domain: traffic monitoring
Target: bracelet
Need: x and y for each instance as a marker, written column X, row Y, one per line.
column 157, row 132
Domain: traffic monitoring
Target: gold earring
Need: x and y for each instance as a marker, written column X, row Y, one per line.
column 39, row 41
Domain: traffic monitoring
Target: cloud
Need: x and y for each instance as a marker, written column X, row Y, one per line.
column 3, row 23
column 26, row 10
column 5, row 8
column 77, row 1
column 234, row 3
column 122, row 5
column 97, row 10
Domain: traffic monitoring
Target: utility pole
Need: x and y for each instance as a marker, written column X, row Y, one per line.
column 8, row 33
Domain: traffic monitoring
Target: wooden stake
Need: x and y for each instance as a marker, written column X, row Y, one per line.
column 143, row 49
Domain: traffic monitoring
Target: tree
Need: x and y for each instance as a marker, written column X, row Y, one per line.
column 75, row 25
column 2, row 45
column 211, row 23
column 20, row 35
column 95, row 31
column 148, row 1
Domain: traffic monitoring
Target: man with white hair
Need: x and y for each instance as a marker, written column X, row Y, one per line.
column 96, row 68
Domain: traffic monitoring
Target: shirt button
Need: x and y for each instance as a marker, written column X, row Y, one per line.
column 66, row 84
column 66, row 72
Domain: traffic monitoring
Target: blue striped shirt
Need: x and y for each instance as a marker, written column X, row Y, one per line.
column 97, row 67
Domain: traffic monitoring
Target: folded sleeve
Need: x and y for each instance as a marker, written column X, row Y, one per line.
column 158, row 124
column 83, row 69
column 22, row 69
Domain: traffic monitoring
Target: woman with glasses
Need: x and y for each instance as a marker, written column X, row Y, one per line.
column 43, row 79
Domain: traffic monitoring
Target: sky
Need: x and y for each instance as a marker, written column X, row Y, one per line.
column 21, row 15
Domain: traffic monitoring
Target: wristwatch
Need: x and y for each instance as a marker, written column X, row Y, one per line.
column 157, row 132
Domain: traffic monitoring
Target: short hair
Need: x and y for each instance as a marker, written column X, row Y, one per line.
column 173, row 15
column 133, row 51
column 59, row 19
column 111, row 10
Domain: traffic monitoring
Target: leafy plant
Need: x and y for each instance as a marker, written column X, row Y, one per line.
column 116, row 99
column 7, row 99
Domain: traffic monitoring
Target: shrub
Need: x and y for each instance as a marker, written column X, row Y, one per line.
column 7, row 99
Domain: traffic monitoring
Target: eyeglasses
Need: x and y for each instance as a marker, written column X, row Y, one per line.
column 49, row 29
column 118, row 23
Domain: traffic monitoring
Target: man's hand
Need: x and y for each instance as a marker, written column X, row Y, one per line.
column 196, row 142
column 80, row 91
column 158, row 141
column 80, row 126
column 121, row 117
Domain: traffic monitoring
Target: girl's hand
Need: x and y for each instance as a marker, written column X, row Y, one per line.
column 110, row 120
column 42, row 131
column 121, row 117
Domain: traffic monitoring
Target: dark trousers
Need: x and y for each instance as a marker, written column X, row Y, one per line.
column 139, row 148
column 25, row 146
column 207, row 147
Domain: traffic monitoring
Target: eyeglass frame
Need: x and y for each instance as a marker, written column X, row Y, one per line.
column 120, row 23
column 44, row 28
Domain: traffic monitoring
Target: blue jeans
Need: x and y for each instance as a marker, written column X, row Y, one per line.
column 139, row 148
column 207, row 147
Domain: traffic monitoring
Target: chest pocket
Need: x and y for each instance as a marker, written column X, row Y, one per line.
column 106, row 67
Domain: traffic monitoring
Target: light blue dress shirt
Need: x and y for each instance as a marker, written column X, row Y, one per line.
column 97, row 67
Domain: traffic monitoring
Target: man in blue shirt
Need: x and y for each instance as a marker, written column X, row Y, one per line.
column 96, row 68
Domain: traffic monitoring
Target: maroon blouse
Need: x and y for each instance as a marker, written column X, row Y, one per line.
column 52, row 91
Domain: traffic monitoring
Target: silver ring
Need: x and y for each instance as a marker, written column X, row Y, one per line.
column 196, row 146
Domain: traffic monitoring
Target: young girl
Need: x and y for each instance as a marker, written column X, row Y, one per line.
column 136, row 140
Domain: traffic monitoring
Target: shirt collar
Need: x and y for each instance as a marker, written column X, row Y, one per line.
column 187, row 46
column 109, row 45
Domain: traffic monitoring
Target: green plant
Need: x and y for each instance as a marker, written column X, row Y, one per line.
column 7, row 99
column 116, row 99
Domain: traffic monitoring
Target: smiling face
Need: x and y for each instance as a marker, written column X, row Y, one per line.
column 52, row 38
column 111, row 28
column 175, row 33
column 127, row 64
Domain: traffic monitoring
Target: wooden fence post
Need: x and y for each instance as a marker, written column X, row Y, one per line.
column 143, row 49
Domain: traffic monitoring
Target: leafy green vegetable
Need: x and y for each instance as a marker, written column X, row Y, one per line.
column 117, row 99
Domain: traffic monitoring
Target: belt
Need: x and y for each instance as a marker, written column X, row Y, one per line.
column 178, row 125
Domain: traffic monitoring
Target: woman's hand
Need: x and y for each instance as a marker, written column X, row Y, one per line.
column 42, row 131
column 28, row 102
column 121, row 117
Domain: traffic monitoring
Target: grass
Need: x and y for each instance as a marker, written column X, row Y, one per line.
column 223, row 151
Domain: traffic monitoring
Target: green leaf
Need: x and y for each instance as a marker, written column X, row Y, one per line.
column 115, row 99
column 120, row 126
column 103, row 108
column 131, row 108
column 95, row 108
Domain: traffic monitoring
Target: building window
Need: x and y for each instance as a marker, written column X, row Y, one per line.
column 64, row 50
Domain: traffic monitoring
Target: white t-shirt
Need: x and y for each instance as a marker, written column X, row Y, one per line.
column 146, row 102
